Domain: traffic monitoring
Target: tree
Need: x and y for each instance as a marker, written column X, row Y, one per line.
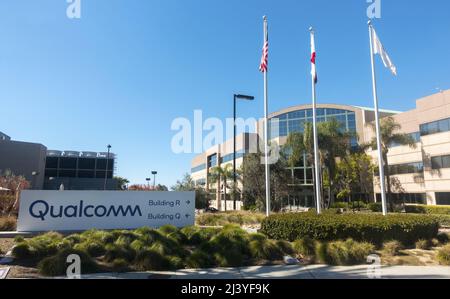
column 188, row 184
column 334, row 142
column 9, row 201
column 254, row 189
column 121, row 182
column 354, row 176
column 222, row 174
column 138, row 187
column 389, row 135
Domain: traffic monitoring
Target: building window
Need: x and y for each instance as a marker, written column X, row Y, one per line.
column 443, row 198
column 68, row 163
column 198, row 168
column 229, row 158
column 407, row 168
column 51, row 162
column 407, row 198
column 440, row 162
column 212, row 161
column 415, row 136
column 435, row 127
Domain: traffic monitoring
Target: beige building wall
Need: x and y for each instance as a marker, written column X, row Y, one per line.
column 429, row 109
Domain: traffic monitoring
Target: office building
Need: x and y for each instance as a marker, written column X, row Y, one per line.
column 423, row 171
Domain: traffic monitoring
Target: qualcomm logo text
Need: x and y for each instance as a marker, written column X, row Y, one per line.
column 41, row 209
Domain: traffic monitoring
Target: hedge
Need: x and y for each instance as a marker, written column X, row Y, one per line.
column 374, row 228
column 424, row 209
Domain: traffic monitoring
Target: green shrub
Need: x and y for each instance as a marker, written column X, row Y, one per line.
column 229, row 258
column 305, row 247
column 176, row 262
column 150, row 260
column 167, row 229
column 74, row 239
column 100, row 236
column 425, row 209
column 443, row 238
column 178, row 237
column 435, row 242
column 320, row 252
column 114, row 251
column 265, row 249
column 423, row 244
column 340, row 205
column 57, row 265
column 138, row 245
column 162, row 248
column 120, row 265
column 392, row 248
column 200, row 259
column 373, row 228
column 230, row 237
column 22, row 251
column 285, row 247
column 234, row 217
column 345, row 253
column 375, row 207
column 257, row 236
column 7, row 224
column 41, row 246
column 444, row 220
column 443, row 255
column 93, row 248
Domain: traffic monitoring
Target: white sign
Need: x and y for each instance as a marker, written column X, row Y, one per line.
column 82, row 210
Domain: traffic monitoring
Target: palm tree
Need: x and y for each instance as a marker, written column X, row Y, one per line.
column 334, row 143
column 215, row 176
column 389, row 135
column 224, row 174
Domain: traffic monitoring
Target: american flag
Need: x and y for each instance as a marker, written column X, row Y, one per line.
column 265, row 54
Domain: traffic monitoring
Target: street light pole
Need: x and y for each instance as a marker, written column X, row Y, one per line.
column 148, row 183
column 154, row 179
column 106, row 170
column 235, row 97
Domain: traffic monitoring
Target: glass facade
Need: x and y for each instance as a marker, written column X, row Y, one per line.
column 294, row 122
column 78, row 167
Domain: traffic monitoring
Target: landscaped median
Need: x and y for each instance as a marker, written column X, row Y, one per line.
column 330, row 238
column 373, row 228
column 167, row 248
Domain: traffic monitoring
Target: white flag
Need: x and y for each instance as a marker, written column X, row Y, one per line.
column 379, row 49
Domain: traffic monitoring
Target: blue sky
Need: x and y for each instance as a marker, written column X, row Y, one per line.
column 126, row 69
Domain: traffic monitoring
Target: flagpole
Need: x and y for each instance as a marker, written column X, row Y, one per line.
column 266, row 136
column 377, row 124
column 316, row 142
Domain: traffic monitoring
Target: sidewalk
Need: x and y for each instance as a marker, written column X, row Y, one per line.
column 288, row 272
